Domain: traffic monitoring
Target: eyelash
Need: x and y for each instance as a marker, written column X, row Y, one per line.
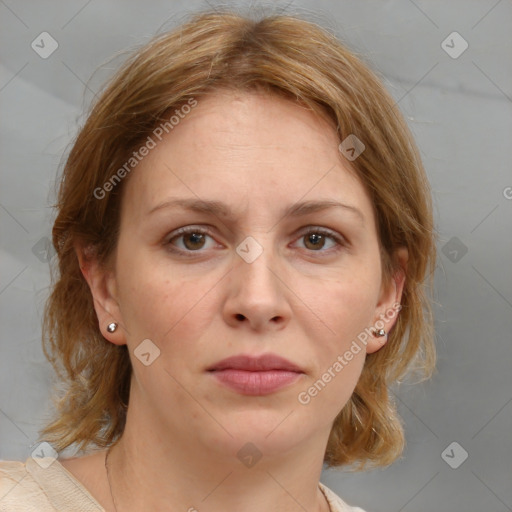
column 340, row 241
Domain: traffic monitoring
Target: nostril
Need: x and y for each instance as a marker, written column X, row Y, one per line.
column 240, row 317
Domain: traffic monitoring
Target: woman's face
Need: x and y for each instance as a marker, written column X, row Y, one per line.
column 269, row 264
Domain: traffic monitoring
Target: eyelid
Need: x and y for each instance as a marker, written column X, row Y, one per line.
column 189, row 229
column 177, row 233
column 339, row 239
column 323, row 230
column 185, row 230
column 303, row 231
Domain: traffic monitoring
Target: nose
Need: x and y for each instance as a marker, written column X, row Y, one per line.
column 258, row 295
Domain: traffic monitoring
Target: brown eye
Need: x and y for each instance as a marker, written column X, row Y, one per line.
column 321, row 240
column 314, row 241
column 189, row 240
column 194, row 241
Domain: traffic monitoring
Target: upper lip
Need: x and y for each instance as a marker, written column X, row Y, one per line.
column 251, row 363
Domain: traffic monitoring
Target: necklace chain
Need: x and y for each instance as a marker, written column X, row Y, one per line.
column 108, row 478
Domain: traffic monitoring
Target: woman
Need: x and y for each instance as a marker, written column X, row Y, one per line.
column 244, row 227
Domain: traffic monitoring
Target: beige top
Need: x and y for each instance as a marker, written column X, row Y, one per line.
column 31, row 487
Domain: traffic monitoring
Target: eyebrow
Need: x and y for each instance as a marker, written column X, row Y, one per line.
column 220, row 209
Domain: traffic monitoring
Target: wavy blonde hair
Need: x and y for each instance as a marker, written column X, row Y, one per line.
column 278, row 54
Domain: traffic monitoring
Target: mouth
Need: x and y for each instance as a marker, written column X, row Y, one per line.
column 256, row 376
column 262, row 363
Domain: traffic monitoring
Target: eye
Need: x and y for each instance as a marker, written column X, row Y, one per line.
column 315, row 239
column 192, row 239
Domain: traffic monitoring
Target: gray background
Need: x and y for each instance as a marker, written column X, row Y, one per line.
column 460, row 112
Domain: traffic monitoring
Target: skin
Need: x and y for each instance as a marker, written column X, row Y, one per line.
column 259, row 155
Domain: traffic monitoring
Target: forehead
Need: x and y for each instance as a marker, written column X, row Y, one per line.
column 246, row 149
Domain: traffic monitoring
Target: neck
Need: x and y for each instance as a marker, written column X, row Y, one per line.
column 149, row 469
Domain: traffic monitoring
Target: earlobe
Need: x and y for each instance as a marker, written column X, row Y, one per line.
column 378, row 340
column 101, row 282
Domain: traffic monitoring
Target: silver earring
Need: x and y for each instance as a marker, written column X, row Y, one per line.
column 112, row 327
column 379, row 333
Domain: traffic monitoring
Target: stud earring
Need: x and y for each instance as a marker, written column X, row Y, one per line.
column 379, row 333
column 112, row 327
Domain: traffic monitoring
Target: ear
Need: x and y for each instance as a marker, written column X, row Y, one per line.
column 102, row 283
column 388, row 306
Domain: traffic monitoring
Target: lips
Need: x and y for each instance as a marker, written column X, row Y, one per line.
column 262, row 363
column 256, row 376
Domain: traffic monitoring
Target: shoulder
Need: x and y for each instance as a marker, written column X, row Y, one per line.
column 44, row 486
column 18, row 490
column 335, row 502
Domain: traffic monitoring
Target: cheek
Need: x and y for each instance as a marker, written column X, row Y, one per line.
column 159, row 303
column 344, row 308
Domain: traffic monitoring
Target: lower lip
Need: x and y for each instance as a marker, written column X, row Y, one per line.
column 256, row 383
